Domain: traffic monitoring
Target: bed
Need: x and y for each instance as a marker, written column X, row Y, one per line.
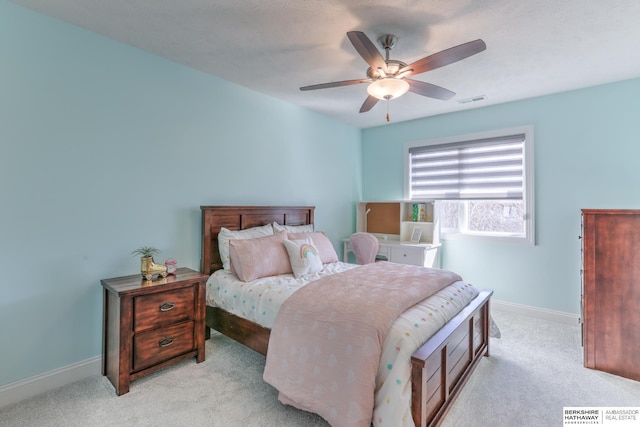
column 439, row 368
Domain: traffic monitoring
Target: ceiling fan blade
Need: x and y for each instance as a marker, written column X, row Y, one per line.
column 444, row 57
column 367, row 50
column 368, row 104
column 335, row 84
column 427, row 89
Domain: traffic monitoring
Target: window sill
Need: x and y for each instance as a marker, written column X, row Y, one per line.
column 506, row 238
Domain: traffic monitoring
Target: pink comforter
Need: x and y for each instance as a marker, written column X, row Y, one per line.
column 326, row 342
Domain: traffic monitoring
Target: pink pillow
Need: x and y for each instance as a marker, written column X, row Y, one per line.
column 252, row 259
column 321, row 242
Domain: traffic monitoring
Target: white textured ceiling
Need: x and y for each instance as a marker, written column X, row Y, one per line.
column 534, row 47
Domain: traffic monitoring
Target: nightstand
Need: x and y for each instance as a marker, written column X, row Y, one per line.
column 149, row 325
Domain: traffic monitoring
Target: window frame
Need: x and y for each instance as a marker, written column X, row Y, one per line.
column 528, row 196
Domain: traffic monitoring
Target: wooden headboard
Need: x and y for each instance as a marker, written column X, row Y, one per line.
column 240, row 218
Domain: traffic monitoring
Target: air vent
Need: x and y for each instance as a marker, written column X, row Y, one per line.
column 472, row 99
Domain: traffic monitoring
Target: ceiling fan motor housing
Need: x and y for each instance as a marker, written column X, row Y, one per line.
column 393, row 67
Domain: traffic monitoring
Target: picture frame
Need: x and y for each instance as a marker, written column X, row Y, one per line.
column 416, row 234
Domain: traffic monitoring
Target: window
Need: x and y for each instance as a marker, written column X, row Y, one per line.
column 482, row 183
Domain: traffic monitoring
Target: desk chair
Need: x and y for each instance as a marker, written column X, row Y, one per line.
column 365, row 247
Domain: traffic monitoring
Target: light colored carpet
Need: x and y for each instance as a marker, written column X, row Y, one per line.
column 535, row 370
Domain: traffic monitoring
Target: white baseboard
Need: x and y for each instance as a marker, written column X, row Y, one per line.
column 540, row 313
column 32, row 386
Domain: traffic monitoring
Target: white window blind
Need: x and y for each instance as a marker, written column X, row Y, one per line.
column 489, row 168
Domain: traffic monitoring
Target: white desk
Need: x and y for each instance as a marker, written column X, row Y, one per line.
column 424, row 254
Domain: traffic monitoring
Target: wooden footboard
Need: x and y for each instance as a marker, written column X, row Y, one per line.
column 441, row 367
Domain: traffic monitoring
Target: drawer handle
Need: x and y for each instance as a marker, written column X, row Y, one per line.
column 167, row 306
column 166, row 342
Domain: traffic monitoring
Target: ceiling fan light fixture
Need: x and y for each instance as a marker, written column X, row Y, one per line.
column 388, row 88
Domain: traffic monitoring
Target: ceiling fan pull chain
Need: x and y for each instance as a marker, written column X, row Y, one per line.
column 388, row 109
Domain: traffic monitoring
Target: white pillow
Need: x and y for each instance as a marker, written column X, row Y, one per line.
column 250, row 233
column 304, row 257
column 320, row 241
column 277, row 228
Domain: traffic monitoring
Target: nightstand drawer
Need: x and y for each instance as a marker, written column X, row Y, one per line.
column 164, row 307
column 153, row 347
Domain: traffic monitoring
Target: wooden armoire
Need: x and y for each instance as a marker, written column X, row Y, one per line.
column 611, row 291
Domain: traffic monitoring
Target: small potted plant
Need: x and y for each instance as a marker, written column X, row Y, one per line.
column 148, row 268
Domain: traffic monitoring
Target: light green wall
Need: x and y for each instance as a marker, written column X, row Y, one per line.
column 105, row 148
column 586, row 156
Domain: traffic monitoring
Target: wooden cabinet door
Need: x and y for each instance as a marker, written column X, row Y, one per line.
column 612, row 291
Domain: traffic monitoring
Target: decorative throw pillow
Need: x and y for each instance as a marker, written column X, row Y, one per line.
column 321, row 242
column 252, row 259
column 250, row 233
column 277, row 228
column 303, row 256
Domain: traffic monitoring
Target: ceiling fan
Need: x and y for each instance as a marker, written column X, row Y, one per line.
column 388, row 77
